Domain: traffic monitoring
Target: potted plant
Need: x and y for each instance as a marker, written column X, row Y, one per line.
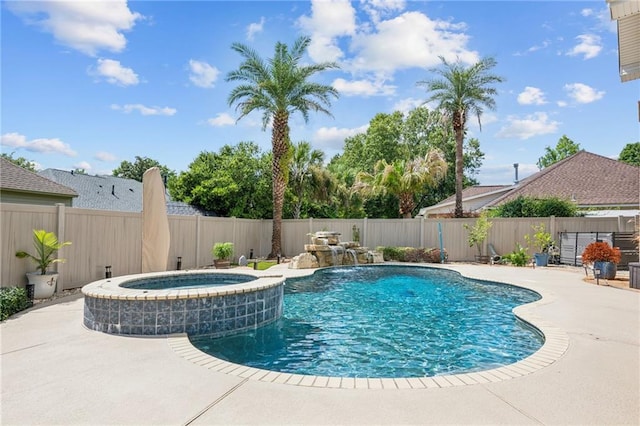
column 222, row 253
column 45, row 245
column 603, row 257
column 478, row 234
column 541, row 241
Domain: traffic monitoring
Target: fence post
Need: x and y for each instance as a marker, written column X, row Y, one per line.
column 60, row 231
column 421, row 231
column 363, row 234
column 552, row 227
column 198, row 236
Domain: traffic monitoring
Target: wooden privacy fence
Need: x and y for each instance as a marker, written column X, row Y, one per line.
column 108, row 238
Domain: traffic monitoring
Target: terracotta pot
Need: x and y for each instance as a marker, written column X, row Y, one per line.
column 222, row 264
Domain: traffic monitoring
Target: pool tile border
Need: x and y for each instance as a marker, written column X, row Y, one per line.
column 555, row 345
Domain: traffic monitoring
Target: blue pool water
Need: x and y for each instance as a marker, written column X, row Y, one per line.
column 387, row 321
column 187, row 281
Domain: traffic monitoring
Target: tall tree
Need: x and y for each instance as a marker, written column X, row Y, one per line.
column 304, row 164
column 279, row 86
column 630, row 154
column 459, row 91
column 234, row 181
column 403, row 179
column 20, row 161
column 564, row 148
column 136, row 169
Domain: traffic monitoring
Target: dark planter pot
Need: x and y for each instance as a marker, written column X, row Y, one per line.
column 482, row 259
column 634, row 275
column 222, row 264
column 542, row 259
column 607, row 269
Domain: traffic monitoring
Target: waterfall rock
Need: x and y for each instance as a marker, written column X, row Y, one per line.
column 304, row 261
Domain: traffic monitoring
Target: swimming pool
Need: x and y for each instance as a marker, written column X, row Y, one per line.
column 387, row 321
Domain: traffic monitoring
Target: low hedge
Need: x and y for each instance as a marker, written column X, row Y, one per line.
column 12, row 300
column 412, row 254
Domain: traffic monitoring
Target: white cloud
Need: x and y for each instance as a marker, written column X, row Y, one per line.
column 255, row 28
column 362, row 87
column 380, row 8
column 485, row 118
column 410, row 40
column 105, row 156
column 221, row 119
column 333, row 137
column 86, row 26
column 112, row 71
column 203, row 74
column 583, row 94
column 144, row 110
column 329, row 19
column 42, row 145
column 530, row 126
column 589, row 45
column 535, row 48
column 603, row 19
column 406, row 105
column 82, row 165
column 531, row 96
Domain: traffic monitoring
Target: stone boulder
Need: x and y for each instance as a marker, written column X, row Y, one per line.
column 304, row 261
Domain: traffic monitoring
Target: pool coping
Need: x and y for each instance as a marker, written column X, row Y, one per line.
column 555, row 346
column 110, row 288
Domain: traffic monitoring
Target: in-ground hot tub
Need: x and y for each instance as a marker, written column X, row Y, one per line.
column 198, row 302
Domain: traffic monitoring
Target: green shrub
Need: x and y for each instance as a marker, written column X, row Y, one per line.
column 519, row 257
column 537, row 207
column 411, row 254
column 12, row 300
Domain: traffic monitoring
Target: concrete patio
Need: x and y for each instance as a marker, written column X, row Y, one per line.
column 55, row 371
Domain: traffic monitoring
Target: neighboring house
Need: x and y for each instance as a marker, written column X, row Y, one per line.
column 21, row 186
column 112, row 193
column 627, row 16
column 593, row 182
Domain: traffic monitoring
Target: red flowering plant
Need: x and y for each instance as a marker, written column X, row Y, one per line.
column 600, row 252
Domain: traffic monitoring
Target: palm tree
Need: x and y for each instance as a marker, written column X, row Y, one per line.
column 278, row 87
column 304, row 164
column 403, row 179
column 460, row 91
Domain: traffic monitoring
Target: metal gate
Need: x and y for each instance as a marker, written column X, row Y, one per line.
column 572, row 244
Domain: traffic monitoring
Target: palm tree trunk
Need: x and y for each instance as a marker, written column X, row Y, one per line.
column 458, row 127
column 406, row 205
column 280, row 149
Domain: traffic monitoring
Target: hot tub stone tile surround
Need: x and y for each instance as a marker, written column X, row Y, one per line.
column 212, row 311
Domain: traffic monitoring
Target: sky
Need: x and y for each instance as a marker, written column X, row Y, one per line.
column 89, row 84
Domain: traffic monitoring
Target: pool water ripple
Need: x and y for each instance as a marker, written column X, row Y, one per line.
column 387, row 321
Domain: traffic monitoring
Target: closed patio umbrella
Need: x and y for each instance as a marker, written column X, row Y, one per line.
column 155, row 224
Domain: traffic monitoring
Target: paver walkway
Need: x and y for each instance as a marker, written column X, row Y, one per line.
column 54, row 371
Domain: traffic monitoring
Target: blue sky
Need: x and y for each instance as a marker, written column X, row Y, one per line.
column 90, row 84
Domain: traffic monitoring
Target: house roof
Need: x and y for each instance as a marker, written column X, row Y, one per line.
column 475, row 191
column 15, row 178
column 100, row 192
column 112, row 193
column 589, row 179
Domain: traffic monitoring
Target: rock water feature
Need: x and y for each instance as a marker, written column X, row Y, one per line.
column 327, row 250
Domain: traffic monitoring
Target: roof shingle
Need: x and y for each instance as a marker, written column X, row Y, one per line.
column 15, row 178
column 590, row 180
